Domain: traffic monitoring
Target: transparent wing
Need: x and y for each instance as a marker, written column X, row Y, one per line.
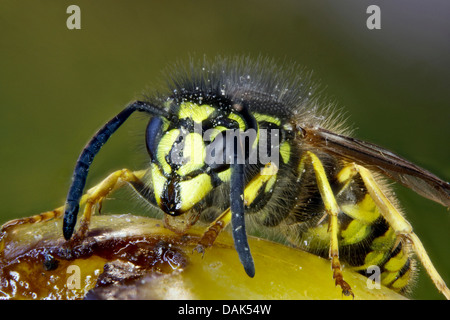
column 379, row 159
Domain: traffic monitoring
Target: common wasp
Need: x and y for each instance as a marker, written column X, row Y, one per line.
column 240, row 141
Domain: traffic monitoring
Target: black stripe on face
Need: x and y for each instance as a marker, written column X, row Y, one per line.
column 170, row 198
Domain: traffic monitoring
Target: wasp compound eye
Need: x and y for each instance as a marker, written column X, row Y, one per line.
column 153, row 135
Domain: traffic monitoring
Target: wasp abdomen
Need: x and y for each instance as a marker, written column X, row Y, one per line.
column 366, row 240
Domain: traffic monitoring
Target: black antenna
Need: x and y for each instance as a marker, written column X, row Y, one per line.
column 237, row 185
column 87, row 156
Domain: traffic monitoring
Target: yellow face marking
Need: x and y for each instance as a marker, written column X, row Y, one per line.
column 196, row 112
column 164, row 147
column 194, row 190
column 194, row 150
column 158, row 181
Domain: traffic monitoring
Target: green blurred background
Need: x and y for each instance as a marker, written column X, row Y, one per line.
column 58, row 86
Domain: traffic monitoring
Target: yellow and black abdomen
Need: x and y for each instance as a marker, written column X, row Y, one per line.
column 368, row 241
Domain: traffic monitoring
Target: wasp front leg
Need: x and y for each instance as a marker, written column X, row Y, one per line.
column 213, row 231
column 94, row 197
column 10, row 225
column 92, row 200
column 332, row 209
column 45, row 216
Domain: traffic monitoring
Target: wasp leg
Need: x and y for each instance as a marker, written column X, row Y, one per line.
column 401, row 227
column 94, row 196
column 45, row 216
column 42, row 217
column 332, row 209
column 213, row 231
column 48, row 215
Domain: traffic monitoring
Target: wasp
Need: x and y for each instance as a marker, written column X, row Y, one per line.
column 240, row 141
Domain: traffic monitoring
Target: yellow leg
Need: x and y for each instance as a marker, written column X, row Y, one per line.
column 213, row 231
column 401, row 227
column 93, row 197
column 45, row 216
column 332, row 209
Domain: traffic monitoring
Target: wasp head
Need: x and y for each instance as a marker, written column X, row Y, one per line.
column 189, row 156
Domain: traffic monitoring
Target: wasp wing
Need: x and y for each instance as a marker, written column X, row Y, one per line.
column 379, row 159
